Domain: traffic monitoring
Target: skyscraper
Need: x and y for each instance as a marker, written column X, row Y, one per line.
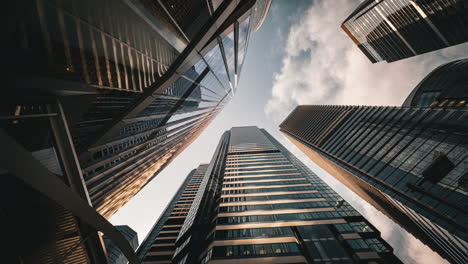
column 114, row 255
column 101, row 96
column 159, row 245
column 444, row 86
column 257, row 203
column 392, row 30
column 136, row 81
column 409, row 162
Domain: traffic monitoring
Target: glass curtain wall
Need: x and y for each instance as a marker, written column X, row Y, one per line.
column 132, row 96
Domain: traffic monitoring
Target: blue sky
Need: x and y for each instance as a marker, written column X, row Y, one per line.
column 299, row 56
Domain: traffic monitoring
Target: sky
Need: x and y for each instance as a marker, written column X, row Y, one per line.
column 299, row 56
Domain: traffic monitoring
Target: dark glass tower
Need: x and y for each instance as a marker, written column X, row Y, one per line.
column 257, row 203
column 392, row 30
column 136, row 81
column 159, row 244
column 114, row 255
column 409, row 162
column 444, row 86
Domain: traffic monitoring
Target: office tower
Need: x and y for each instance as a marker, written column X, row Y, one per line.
column 392, row 30
column 159, row 244
column 114, row 255
column 444, row 86
column 136, row 81
column 257, row 203
column 409, row 162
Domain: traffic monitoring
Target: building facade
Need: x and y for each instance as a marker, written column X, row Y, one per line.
column 114, row 255
column 409, row 162
column 135, row 80
column 159, row 245
column 392, row 30
column 257, row 203
column 444, row 86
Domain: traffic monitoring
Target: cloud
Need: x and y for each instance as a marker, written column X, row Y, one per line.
column 321, row 65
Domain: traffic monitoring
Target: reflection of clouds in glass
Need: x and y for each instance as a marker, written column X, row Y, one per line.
column 216, row 62
column 200, row 66
column 213, row 86
column 244, row 28
column 228, row 44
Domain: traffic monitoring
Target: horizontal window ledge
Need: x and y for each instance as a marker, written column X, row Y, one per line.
column 350, row 236
column 256, row 161
column 160, row 253
column 282, row 211
column 163, row 245
column 169, row 231
column 254, row 241
column 259, row 166
column 270, row 260
column 256, row 171
column 166, row 238
column 366, row 255
column 165, row 226
column 273, row 202
column 157, row 262
column 261, row 175
column 266, row 194
column 234, row 164
column 266, row 186
column 269, row 180
column 281, row 223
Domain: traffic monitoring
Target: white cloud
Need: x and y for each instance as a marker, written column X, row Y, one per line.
column 323, row 66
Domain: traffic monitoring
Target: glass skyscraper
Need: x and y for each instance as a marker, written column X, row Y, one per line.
column 392, row 30
column 102, row 95
column 410, row 162
column 257, row 203
column 444, row 86
column 159, row 245
column 136, row 81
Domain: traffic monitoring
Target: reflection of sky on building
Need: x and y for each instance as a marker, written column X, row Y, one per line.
column 395, row 29
column 244, row 30
column 187, row 105
column 214, row 58
column 228, row 44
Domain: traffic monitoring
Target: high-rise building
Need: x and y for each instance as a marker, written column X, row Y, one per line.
column 136, row 81
column 257, row 203
column 114, row 255
column 392, row 30
column 101, row 96
column 159, row 245
column 409, row 162
column 444, row 86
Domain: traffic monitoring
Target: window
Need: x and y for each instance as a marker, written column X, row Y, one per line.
column 439, row 167
column 361, row 227
column 256, row 250
column 376, row 245
column 358, row 244
column 254, row 232
column 344, row 228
